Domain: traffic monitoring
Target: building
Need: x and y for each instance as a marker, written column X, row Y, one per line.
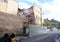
column 37, row 14
column 33, row 15
column 30, row 16
column 9, row 6
column 9, row 21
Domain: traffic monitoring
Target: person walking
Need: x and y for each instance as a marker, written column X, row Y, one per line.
column 12, row 37
column 5, row 38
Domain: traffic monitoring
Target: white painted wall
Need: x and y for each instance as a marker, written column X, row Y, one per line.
column 37, row 30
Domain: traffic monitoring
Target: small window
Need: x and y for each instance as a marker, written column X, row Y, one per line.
column 28, row 15
column 5, row 0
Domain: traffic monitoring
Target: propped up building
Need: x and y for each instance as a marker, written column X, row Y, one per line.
column 33, row 15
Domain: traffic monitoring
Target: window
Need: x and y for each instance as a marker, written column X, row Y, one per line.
column 5, row 0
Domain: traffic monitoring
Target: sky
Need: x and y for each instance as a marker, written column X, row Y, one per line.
column 50, row 8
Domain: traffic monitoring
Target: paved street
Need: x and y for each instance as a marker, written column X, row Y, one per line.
column 49, row 37
column 19, row 37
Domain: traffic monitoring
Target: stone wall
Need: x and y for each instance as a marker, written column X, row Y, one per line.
column 11, row 7
column 3, row 6
column 10, row 22
column 37, row 14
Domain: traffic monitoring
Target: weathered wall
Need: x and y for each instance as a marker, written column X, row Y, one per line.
column 37, row 14
column 12, row 7
column 3, row 6
column 35, row 30
column 10, row 22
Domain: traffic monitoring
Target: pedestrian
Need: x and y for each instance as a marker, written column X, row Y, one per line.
column 12, row 37
column 5, row 38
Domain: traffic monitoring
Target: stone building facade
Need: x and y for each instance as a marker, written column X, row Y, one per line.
column 37, row 14
column 10, row 23
column 33, row 15
column 9, row 6
column 30, row 16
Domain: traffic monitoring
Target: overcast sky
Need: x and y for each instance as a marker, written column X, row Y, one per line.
column 50, row 8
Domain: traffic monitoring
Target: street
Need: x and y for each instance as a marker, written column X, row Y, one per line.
column 49, row 37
